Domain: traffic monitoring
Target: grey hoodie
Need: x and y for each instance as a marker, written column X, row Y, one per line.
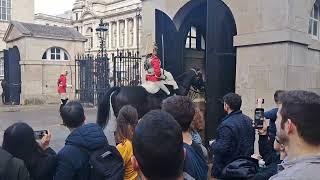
column 306, row 168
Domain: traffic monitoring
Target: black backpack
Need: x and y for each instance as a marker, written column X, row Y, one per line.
column 106, row 163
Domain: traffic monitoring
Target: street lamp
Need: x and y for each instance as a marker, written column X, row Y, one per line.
column 138, row 16
column 101, row 32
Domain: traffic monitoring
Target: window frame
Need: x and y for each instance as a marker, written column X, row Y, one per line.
column 314, row 19
column 195, row 39
column 8, row 10
column 55, row 54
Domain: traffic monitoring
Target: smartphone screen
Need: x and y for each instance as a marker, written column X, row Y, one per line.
column 259, row 118
column 40, row 134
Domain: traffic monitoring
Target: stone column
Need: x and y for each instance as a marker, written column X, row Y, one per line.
column 126, row 33
column 110, row 36
column 135, row 26
column 118, row 35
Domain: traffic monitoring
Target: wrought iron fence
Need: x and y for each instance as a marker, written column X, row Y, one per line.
column 95, row 75
column 92, row 79
column 127, row 68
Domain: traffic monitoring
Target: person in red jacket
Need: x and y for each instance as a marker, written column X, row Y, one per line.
column 62, row 88
column 154, row 74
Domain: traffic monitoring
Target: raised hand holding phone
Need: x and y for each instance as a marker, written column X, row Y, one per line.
column 45, row 140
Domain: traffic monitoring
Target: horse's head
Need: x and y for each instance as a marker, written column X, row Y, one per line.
column 197, row 81
column 191, row 78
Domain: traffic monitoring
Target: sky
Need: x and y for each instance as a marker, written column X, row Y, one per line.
column 53, row 7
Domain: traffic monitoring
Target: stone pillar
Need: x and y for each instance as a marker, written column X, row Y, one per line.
column 126, row 33
column 110, row 36
column 135, row 27
column 118, row 35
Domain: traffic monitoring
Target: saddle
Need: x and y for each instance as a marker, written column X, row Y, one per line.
column 154, row 87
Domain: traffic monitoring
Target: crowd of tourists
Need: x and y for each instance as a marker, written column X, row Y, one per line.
column 165, row 144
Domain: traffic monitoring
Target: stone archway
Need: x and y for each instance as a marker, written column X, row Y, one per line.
column 215, row 20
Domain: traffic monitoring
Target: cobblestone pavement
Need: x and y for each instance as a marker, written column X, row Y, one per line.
column 39, row 118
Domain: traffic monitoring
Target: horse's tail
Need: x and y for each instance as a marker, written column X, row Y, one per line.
column 104, row 107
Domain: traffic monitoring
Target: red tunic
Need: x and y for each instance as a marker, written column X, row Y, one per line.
column 62, row 84
column 156, row 64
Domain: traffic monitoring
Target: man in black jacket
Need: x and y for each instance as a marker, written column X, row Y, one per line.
column 12, row 168
column 235, row 135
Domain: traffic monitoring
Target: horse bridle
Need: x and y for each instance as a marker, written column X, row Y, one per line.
column 195, row 71
column 191, row 88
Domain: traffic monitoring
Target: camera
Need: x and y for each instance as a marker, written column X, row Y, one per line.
column 40, row 134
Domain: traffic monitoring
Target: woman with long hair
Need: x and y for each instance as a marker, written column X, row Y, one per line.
column 40, row 159
column 126, row 122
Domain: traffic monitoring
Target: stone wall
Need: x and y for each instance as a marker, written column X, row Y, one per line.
column 274, row 49
column 39, row 77
column 22, row 10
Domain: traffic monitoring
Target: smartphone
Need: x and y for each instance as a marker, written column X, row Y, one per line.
column 258, row 118
column 40, row 134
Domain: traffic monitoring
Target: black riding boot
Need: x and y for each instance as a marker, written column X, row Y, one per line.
column 63, row 102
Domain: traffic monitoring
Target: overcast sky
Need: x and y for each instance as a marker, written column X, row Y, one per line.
column 53, row 7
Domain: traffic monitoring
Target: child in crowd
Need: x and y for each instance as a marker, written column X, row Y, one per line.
column 126, row 123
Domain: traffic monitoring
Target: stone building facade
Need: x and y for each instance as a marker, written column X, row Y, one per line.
column 63, row 20
column 17, row 10
column 277, row 44
column 121, row 16
column 43, row 53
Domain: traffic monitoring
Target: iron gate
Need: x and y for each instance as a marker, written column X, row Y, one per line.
column 95, row 75
column 126, row 69
column 93, row 78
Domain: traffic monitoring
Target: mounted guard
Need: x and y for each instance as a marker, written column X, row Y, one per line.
column 156, row 77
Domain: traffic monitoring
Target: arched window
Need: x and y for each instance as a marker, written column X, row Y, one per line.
column 195, row 40
column 314, row 20
column 55, row 53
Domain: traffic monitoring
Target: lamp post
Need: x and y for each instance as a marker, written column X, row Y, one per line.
column 138, row 16
column 101, row 32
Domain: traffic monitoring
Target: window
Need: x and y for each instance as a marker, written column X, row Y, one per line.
column 55, row 53
column 191, row 38
column 203, row 43
column 1, row 66
column 65, row 56
column 5, row 10
column 77, row 17
column 314, row 21
column 44, row 56
column 195, row 40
